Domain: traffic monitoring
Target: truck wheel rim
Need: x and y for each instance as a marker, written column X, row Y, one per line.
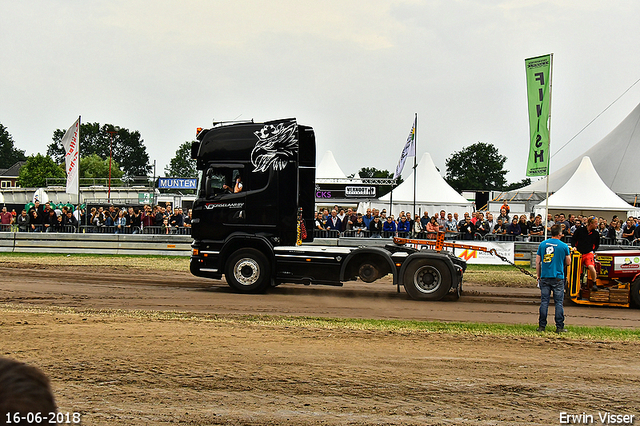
column 246, row 271
column 427, row 279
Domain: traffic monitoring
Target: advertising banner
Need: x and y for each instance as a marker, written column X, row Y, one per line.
column 538, row 71
column 71, row 144
column 146, row 198
column 360, row 191
column 627, row 263
column 177, row 183
column 506, row 249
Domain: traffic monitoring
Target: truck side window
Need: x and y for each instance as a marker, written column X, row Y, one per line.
column 221, row 181
column 214, row 182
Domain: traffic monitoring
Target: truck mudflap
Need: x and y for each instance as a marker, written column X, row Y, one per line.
column 204, row 261
column 196, row 268
column 431, row 275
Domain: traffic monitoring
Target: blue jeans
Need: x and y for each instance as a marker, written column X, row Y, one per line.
column 547, row 285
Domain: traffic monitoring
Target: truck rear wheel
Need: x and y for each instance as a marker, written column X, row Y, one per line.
column 368, row 272
column 635, row 293
column 427, row 279
column 248, row 271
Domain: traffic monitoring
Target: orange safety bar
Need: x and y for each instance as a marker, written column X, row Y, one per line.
column 439, row 243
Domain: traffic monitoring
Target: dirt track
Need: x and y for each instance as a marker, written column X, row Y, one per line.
column 120, row 356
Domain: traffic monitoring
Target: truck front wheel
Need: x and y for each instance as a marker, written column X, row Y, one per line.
column 427, row 279
column 635, row 293
column 248, row 271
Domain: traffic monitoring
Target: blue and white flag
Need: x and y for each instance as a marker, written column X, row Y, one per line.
column 409, row 150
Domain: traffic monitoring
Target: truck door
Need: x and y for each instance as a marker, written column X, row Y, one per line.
column 223, row 208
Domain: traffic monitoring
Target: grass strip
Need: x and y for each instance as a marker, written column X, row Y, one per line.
column 155, row 262
column 499, row 276
column 491, row 275
column 591, row 334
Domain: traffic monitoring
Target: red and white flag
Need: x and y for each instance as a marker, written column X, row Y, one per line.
column 71, row 144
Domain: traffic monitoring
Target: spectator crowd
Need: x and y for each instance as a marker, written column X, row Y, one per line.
column 110, row 219
column 479, row 225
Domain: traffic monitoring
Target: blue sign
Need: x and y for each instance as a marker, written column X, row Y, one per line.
column 177, row 183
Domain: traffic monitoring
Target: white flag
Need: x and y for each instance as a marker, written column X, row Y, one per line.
column 71, row 144
column 409, row 150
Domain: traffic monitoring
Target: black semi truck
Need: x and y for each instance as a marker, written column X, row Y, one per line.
column 256, row 188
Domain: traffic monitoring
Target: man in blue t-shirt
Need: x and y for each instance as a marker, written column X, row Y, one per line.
column 552, row 257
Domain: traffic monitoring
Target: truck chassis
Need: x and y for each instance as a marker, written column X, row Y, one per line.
column 253, row 268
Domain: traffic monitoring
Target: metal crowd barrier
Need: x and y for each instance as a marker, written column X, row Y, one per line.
column 173, row 230
column 130, row 230
column 103, row 229
column 317, row 233
column 67, row 229
column 457, row 236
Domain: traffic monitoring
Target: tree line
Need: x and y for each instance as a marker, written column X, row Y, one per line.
column 98, row 143
column 479, row 166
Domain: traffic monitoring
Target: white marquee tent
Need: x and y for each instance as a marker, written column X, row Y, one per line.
column 328, row 170
column 433, row 193
column 586, row 193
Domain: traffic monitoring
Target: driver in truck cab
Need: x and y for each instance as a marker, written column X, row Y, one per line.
column 236, row 188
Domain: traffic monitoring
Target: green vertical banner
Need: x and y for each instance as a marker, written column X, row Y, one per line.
column 539, row 100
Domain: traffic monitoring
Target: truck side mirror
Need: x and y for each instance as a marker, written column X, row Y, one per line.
column 195, row 147
column 207, row 183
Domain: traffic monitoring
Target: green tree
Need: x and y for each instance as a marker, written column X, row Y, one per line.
column 93, row 167
column 36, row 170
column 181, row 165
column 128, row 148
column 9, row 155
column 476, row 167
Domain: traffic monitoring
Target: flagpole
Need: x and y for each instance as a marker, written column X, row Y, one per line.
column 415, row 170
column 408, row 150
column 78, row 180
column 546, row 204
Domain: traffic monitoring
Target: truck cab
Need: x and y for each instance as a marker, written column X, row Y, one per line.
column 271, row 159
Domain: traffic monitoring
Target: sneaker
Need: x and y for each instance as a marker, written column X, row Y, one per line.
column 561, row 330
column 540, row 328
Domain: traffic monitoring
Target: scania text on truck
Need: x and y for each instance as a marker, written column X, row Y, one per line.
column 252, row 229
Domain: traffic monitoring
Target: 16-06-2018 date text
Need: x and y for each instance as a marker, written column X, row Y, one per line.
column 43, row 418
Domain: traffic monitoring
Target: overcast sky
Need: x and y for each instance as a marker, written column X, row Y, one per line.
column 357, row 71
